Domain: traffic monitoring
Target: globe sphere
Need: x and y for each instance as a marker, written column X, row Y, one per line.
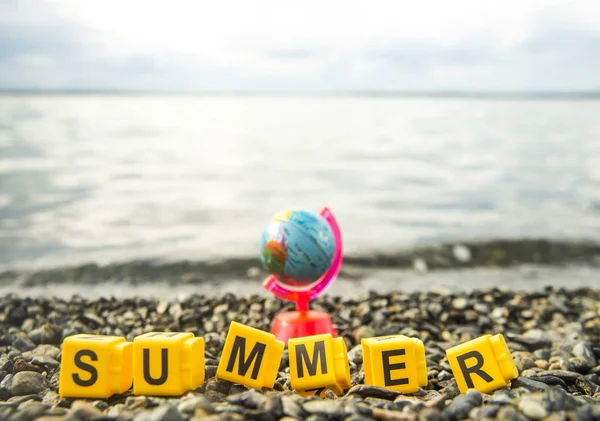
column 297, row 247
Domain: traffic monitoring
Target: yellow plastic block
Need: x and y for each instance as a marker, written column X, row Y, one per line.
column 484, row 364
column 250, row 357
column 318, row 363
column 94, row 366
column 167, row 363
column 395, row 362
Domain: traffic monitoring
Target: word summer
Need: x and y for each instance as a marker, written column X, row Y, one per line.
column 171, row 363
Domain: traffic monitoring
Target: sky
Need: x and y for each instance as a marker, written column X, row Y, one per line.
column 302, row 46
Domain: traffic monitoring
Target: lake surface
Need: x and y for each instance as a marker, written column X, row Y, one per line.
column 107, row 178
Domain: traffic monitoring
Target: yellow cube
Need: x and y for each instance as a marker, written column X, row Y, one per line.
column 395, row 362
column 94, row 366
column 167, row 363
column 484, row 364
column 250, row 357
column 318, row 363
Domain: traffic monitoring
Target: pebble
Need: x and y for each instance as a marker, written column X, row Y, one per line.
column 363, row 332
column 532, row 408
column 27, row 383
column 460, row 407
column 366, row 391
column 47, row 334
column 251, row 399
column 164, row 412
column 420, row 265
column 461, row 253
column 23, row 343
column 355, row 354
column 197, row 402
column 291, row 408
column 31, row 409
column 42, row 351
column 460, row 303
column 324, row 407
column 85, row 410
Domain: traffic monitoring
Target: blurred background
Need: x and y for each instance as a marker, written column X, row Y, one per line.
column 147, row 140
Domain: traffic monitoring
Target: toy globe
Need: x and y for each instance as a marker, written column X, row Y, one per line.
column 303, row 252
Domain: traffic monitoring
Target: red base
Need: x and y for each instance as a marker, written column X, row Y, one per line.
column 296, row 324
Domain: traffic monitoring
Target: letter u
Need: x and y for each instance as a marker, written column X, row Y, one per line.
column 164, row 371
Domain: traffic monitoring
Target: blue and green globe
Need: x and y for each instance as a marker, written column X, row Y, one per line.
column 297, row 247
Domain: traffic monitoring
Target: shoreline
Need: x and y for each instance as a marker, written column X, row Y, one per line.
column 491, row 254
column 523, row 278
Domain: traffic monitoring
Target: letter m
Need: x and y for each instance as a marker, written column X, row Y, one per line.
column 311, row 365
column 256, row 356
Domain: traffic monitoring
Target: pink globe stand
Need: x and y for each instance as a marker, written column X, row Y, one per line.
column 303, row 321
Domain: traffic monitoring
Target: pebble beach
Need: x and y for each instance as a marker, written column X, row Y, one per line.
column 553, row 334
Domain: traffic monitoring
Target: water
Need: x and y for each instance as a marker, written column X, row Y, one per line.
column 113, row 178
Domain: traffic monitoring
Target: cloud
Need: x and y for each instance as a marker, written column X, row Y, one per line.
column 269, row 45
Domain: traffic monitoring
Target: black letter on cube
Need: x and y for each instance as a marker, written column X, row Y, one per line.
column 387, row 367
column 86, row 367
column 164, row 370
column 476, row 369
column 311, row 366
column 257, row 353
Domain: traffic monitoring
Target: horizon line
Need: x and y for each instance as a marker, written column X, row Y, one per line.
column 575, row 94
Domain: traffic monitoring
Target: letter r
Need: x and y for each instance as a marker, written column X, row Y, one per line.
column 475, row 369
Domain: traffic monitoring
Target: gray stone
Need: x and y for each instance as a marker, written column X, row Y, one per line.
column 116, row 410
column 42, row 351
column 137, row 402
column 533, row 339
column 585, row 413
column 197, row 402
column 524, row 363
column 7, row 411
column 460, row 407
column 430, row 414
column 366, row 391
column 6, row 363
column 507, row 413
column 45, row 361
column 569, row 377
column 23, row 343
column 460, row 303
column 325, row 407
column 31, row 410
column 551, row 380
column 444, row 375
column 84, row 410
column 164, row 412
column 461, row 253
column 559, row 400
column 47, row 334
column 529, row 384
column 24, row 398
column 532, row 408
column 27, row 383
column 486, row 411
column 250, row 399
column 355, row 354
column 583, row 350
column 542, row 354
column 50, row 398
column 5, row 386
column 292, row 408
column 316, row 417
column 210, row 371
